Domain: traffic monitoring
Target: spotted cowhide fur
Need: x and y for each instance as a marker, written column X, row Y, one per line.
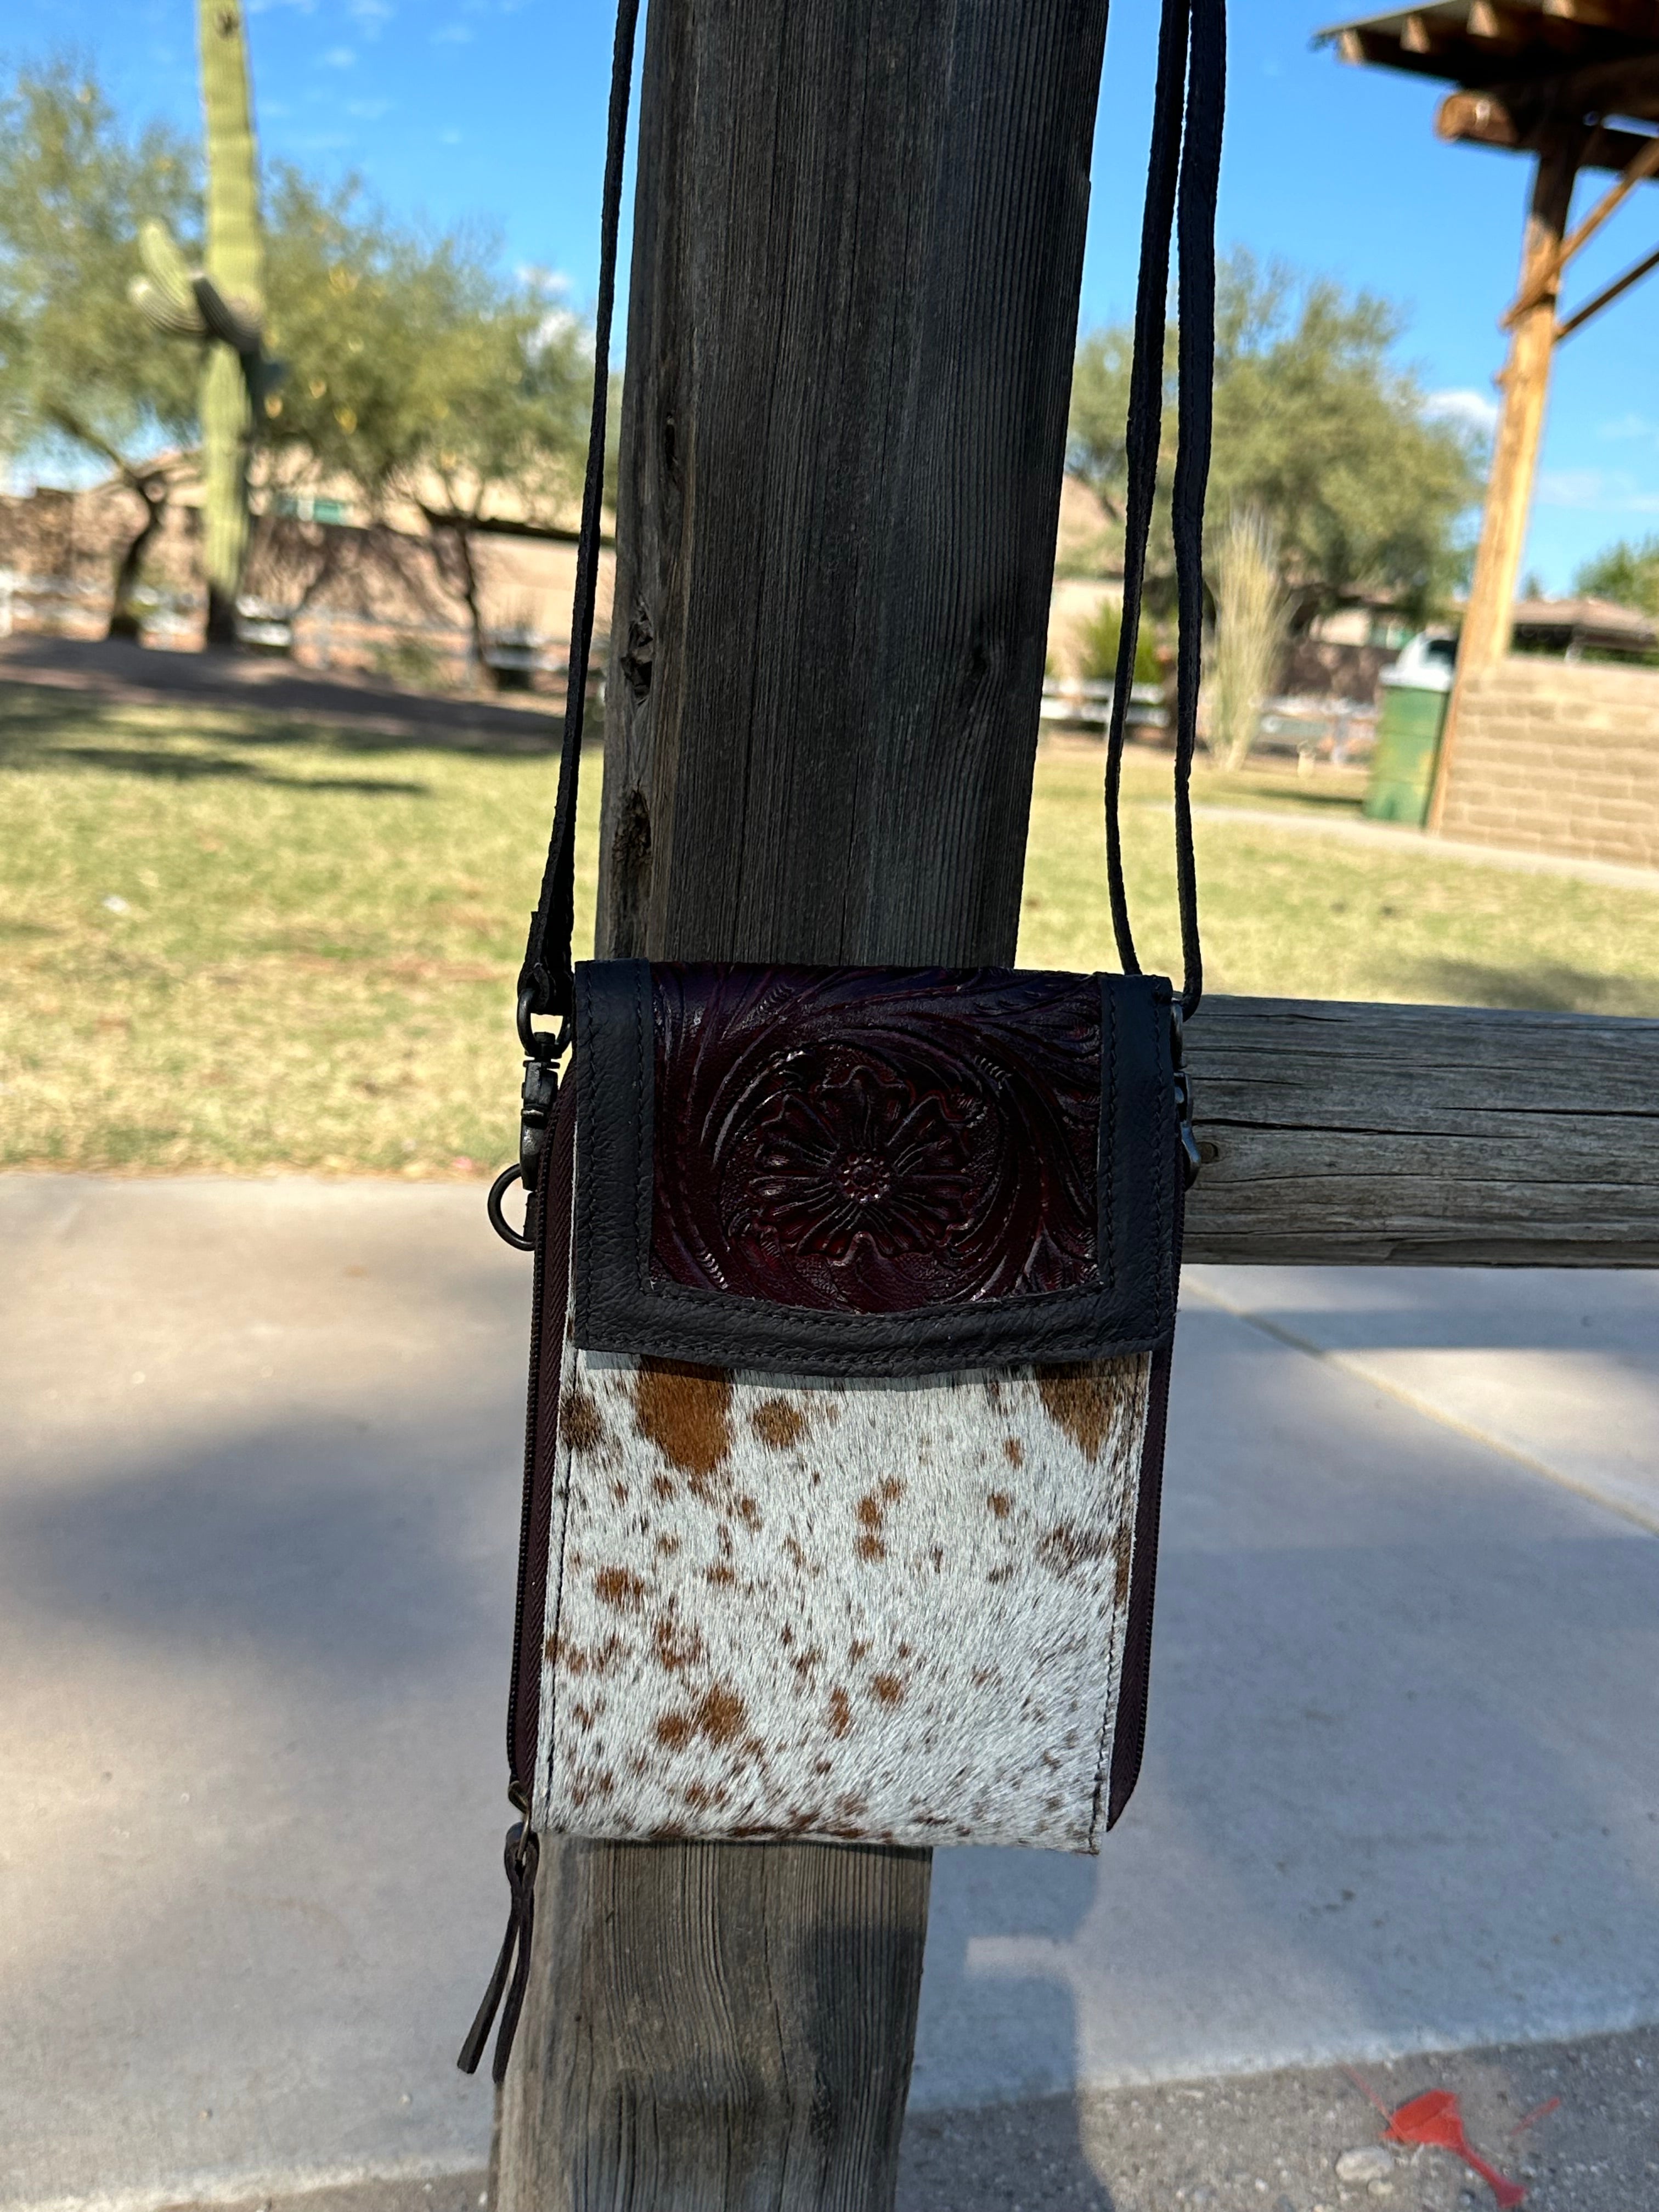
column 887, row 1611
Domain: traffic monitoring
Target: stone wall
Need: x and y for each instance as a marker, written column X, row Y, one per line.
column 1559, row 756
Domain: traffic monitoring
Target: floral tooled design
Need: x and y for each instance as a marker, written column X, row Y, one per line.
column 853, row 1158
column 872, row 1140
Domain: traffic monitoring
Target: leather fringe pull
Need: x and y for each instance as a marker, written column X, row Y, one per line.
column 520, row 1855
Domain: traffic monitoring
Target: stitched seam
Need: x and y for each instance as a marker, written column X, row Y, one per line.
column 1130, row 1502
column 837, row 1317
column 644, row 1138
column 1163, row 1159
column 587, row 1109
column 553, row 1610
column 1108, row 1150
column 918, row 1363
column 893, row 1330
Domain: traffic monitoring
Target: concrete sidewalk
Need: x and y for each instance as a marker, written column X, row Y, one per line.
column 1577, row 867
column 257, row 1525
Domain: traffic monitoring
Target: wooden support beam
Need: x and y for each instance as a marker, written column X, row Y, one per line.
column 1489, row 619
column 1643, row 164
column 1485, row 118
column 858, row 250
column 1445, row 1135
column 1626, row 87
column 1607, row 295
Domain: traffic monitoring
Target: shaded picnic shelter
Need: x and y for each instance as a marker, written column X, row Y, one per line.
column 1574, row 85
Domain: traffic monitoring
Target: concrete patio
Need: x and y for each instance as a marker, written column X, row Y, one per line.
column 258, row 1505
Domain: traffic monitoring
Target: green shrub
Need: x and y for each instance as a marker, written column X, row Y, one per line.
column 1097, row 643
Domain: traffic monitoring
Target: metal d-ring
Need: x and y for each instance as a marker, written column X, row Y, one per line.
column 498, row 1220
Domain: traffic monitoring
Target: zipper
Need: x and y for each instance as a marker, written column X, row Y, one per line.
column 517, row 1783
column 1129, row 1734
column 547, row 1316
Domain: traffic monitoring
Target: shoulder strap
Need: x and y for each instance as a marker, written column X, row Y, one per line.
column 545, row 978
column 1183, row 172
column 1181, row 189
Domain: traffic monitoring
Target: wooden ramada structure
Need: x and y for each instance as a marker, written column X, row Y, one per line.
column 1563, row 80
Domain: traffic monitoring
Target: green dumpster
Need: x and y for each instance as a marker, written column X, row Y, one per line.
column 1415, row 694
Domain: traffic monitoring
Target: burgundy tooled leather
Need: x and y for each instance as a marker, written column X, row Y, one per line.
column 872, row 1140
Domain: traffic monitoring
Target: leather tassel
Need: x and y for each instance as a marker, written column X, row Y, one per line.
column 520, row 1855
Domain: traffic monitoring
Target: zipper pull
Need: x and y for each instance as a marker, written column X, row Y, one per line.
column 521, row 1853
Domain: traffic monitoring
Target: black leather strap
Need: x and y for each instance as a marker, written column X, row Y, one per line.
column 1183, row 171
column 1183, row 176
column 544, row 980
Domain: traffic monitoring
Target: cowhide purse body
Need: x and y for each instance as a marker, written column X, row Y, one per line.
column 854, row 1300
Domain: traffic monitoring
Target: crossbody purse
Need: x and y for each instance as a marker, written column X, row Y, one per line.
column 854, row 1304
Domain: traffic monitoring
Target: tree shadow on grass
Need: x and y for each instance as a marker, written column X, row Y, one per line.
column 56, row 725
column 194, row 768
column 1546, row 987
column 55, row 684
column 52, row 728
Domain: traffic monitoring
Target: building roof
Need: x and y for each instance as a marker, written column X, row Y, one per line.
column 1599, row 624
column 1609, row 48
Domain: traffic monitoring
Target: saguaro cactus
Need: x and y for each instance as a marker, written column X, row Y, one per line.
column 222, row 306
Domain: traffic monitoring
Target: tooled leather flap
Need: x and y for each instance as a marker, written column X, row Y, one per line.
column 890, row 1171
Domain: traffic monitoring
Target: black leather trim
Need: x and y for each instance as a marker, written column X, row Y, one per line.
column 1134, row 1681
column 621, row 1308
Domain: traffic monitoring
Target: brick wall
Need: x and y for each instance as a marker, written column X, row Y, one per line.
column 1559, row 756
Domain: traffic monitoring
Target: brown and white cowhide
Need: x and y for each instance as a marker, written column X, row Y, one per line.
column 886, row 1611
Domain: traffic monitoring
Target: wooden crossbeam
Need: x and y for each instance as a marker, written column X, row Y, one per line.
column 1627, row 87
column 1484, row 118
column 1539, row 87
column 1596, row 14
column 1472, row 35
column 1543, row 280
column 1607, row 295
column 1438, row 1135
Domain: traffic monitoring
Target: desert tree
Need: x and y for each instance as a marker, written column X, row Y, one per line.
column 84, row 375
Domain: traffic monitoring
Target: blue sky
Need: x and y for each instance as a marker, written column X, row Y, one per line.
column 495, row 109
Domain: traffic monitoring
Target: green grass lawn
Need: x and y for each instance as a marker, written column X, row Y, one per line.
column 233, row 942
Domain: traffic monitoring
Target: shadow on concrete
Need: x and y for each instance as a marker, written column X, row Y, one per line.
column 1398, row 1790
column 1011, row 2158
column 1577, row 1313
column 1398, row 1785
column 310, row 1546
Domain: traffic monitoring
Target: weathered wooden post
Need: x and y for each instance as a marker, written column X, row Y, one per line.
column 858, row 250
column 857, row 256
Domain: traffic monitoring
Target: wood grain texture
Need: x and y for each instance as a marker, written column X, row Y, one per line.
column 712, row 2026
column 857, row 256
column 1419, row 1135
column 856, row 265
